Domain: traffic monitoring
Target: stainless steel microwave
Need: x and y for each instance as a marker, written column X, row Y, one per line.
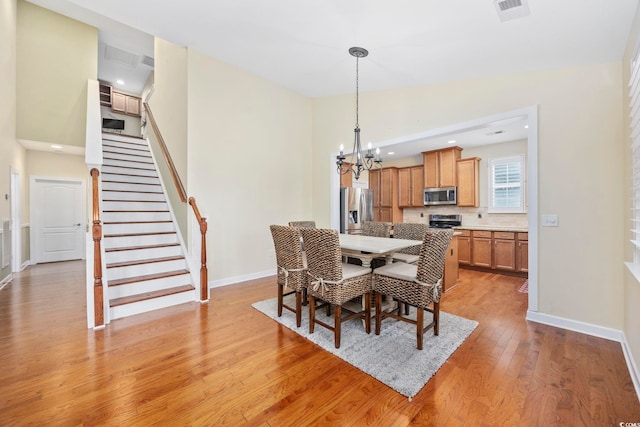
column 440, row 196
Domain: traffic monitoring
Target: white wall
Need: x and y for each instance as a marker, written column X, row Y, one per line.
column 249, row 163
column 580, row 154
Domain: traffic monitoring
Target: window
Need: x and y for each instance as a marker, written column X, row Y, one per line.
column 506, row 185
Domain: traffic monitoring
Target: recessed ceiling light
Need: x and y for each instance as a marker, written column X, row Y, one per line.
column 120, row 81
column 391, row 153
column 526, row 126
column 453, row 141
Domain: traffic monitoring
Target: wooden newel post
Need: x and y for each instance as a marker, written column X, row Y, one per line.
column 96, row 231
column 204, row 274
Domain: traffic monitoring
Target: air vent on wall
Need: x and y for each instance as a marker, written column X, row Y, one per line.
column 147, row 60
column 511, row 9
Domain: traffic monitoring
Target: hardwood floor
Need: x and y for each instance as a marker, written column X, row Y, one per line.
column 225, row 363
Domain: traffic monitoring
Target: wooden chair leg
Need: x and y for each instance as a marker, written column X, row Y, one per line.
column 378, row 312
column 337, row 316
column 280, row 292
column 436, row 318
column 406, row 308
column 298, row 308
column 305, row 299
column 367, row 312
column 312, row 313
column 419, row 326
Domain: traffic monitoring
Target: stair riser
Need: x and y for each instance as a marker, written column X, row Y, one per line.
column 148, row 286
column 130, row 186
column 125, row 171
column 132, row 180
column 135, row 216
column 132, row 157
column 126, row 164
column 140, row 254
column 125, row 195
column 149, row 305
column 144, row 269
column 126, row 149
column 130, row 241
column 113, row 138
column 152, row 227
column 135, row 206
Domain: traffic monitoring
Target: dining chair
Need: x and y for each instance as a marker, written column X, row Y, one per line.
column 291, row 266
column 410, row 231
column 302, row 224
column 376, row 228
column 334, row 282
column 418, row 285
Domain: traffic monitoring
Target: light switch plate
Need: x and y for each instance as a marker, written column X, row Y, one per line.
column 550, row 220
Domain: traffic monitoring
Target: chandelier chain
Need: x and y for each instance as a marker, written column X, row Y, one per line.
column 357, row 91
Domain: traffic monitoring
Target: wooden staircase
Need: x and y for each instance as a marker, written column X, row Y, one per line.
column 145, row 264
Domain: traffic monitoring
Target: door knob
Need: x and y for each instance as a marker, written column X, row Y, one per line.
column 78, row 224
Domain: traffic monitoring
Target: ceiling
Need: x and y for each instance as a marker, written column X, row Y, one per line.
column 304, row 45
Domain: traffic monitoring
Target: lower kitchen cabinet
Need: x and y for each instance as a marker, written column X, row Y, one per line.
column 464, row 247
column 481, row 249
column 522, row 253
column 504, row 250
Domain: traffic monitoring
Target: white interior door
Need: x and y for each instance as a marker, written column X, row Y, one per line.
column 58, row 212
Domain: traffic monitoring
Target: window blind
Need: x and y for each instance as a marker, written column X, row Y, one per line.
column 506, row 185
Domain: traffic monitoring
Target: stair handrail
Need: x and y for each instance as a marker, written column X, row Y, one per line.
column 165, row 153
column 204, row 274
column 96, row 231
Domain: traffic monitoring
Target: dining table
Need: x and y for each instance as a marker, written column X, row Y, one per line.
column 366, row 248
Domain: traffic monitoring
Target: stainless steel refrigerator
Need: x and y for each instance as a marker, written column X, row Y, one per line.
column 356, row 206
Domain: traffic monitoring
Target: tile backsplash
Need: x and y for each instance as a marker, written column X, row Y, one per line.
column 469, row 216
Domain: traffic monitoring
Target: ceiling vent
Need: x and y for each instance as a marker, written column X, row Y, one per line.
column 112, row 53
column 511, row 9
column 147, row 60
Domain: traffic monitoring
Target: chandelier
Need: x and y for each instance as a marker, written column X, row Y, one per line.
column 358, row 161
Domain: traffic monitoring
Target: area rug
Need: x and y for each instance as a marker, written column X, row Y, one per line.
column 391, row 357
column 525, row 287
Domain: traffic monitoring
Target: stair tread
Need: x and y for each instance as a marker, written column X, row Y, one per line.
column 133, row 211
column 134, row 191
column 126, row 148
column 147, row 277
column 150, row 295
column 141, row 247
column 144, row 156
column 129, row 174
column 126, row 160
column 128, row 167
column 145, row 261
column 140, row 234
column 136, row 222
column 134, row 201
column 129, row 182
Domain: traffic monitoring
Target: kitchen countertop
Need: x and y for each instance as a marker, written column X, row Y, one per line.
column 493, row 228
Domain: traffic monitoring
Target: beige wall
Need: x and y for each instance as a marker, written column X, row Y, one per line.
column 580, row 153
column 249, row 162
column 56, row 56
column 169, row 107
column 631, row 284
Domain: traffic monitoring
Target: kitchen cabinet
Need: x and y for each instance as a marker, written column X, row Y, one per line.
column 105, row 90
column 346, row 179
column 451, row 268
column 125, row 104
column 468, row 171
column 522, row 253
column 464, row 247
column 411, row 187
column 481, row 246
column 504, row 250
column 440, row 168
column 384, row 183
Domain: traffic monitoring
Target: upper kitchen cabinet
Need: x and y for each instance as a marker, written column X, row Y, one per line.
column 125, row 104
column 468, row 182
column 411, row 187
column 105, row 93
column 346, row 178
column 384, row 183
column 440, row 167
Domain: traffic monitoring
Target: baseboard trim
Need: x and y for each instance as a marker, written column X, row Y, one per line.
column 596, row 331
column 238, row 279
column 631, row 364
column 25, row 264
column 6, row 281
column 576, row 326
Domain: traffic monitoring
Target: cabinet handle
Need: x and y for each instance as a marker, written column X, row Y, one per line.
column 451, row 252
